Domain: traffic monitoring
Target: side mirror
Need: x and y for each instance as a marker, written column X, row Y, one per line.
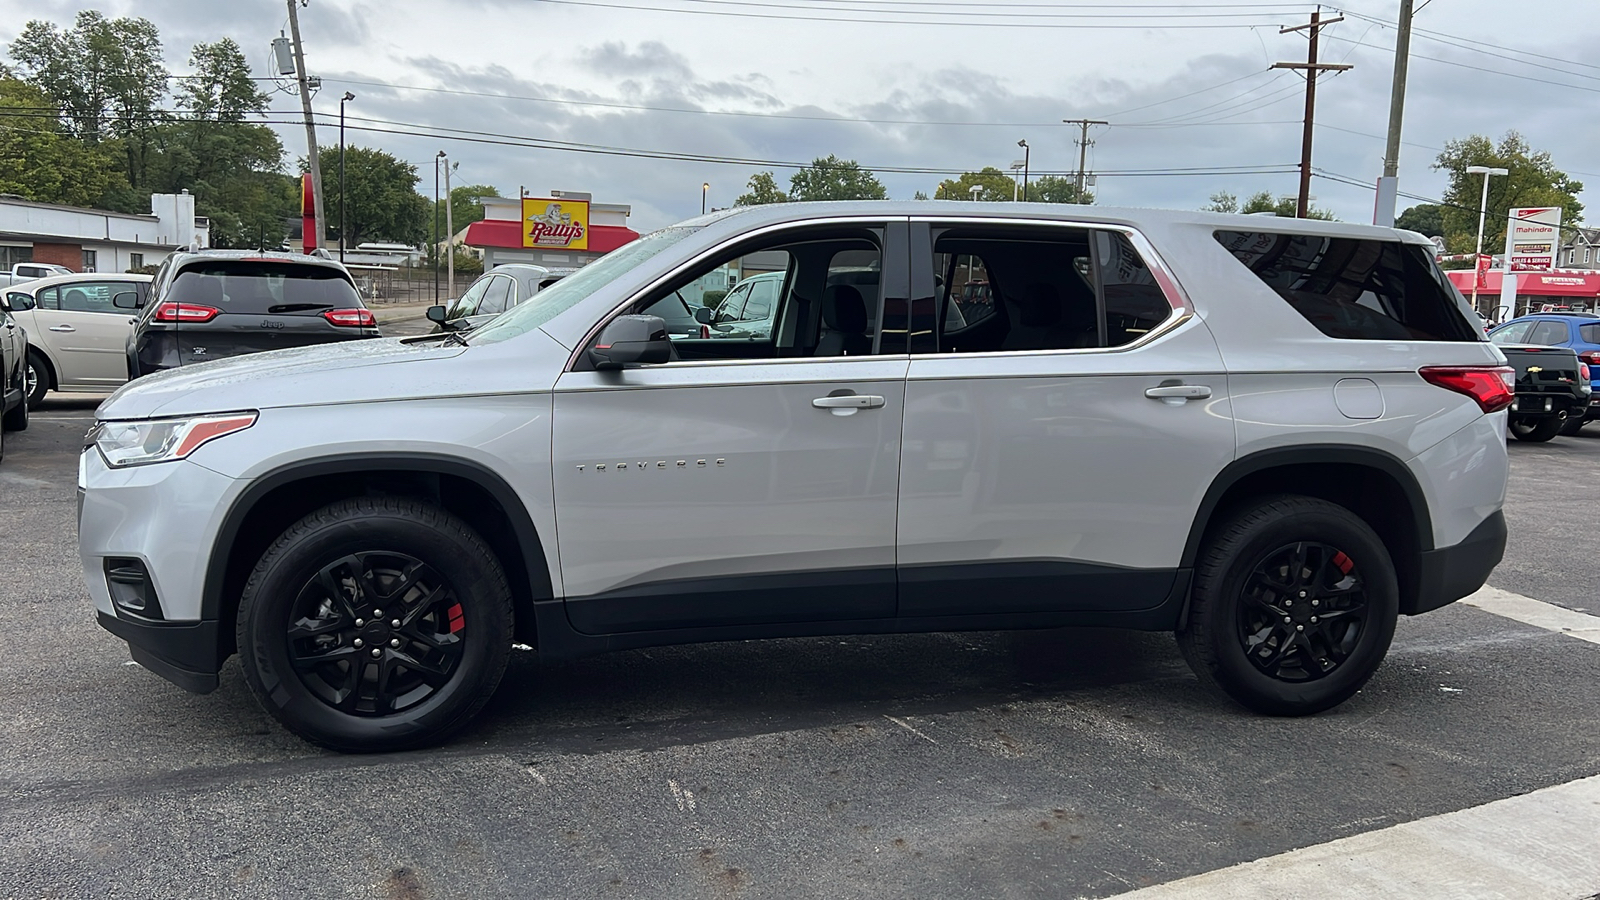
column 436, row 314
column 631, row 339
column 21, row 303
column 127, row 300
column 705, row 315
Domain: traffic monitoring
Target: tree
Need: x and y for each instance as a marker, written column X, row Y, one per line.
column 220, row 90
column 763, row 190
column 106, row 75
column 383, row 201
column 465, row 205
column 1262, row 202
column 39, row 161
column 835, row 179
column 993, row 184
column 1533, row 181
column 1424, row 218
column 1057, row 189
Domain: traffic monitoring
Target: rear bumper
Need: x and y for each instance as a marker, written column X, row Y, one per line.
column 1541, row 405
column 1450, row 573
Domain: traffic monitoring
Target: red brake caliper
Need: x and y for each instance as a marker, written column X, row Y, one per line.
column 456, row 617
column 1339, row 559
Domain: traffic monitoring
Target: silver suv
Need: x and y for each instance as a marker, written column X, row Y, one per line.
column 1271, row 437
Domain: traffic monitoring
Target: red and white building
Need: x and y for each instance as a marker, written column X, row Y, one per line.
column 1565, row 289
column 499, row 236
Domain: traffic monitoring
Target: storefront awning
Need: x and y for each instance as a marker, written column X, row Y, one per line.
column 1584, row 285
column 507, row 233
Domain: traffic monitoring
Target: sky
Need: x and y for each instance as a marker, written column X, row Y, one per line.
column 1193, row 105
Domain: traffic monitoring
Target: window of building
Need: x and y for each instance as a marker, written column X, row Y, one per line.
column 1356, row 289
column 11, row 254
column 89, row 257
column 135, row 260
column 1586, row 252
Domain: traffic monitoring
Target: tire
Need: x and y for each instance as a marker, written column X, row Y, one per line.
column 452, row 599
column 1572, row 425
column 37, row 378
column 1535, row 430
column 16, row 419
column 1235, row 640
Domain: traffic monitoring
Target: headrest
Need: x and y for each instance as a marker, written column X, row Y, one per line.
column 844, row 310
column 1040, row 305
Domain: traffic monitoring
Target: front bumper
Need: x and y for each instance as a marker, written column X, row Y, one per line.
column 165, row 516
column 1450, row 573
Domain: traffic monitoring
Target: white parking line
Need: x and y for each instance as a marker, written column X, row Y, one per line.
column 1537, row 613
column 1536, row 846
column 1539, row 845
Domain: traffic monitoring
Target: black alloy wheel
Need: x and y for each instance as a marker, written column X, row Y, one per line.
column 375, row 624
column 1293, row 606
column 1303, row 612
column 376, row 632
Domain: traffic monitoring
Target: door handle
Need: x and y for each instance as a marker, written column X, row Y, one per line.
column 846, row 404
column 62, row 328
column 1176, row 393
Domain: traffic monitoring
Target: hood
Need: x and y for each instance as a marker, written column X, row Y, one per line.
column 342, row 372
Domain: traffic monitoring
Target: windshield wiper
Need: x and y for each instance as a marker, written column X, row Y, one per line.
column 456, row 336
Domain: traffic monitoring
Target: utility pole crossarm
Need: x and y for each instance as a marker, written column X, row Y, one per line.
column 1083, row 148
column 1315, row 67
column 1315, row 23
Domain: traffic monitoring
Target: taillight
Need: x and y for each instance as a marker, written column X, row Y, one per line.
column 1491, row 386
column 185, row 312
column 351, row 318
column 1592, row 357
column 1583, row 370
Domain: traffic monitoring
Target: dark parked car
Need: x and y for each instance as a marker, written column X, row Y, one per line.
column 492, row 294
column 219, row 303
column 1552, row 391
column 1576, row 330
column 13, row 375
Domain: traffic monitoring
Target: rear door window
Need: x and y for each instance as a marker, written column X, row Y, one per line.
column 1355, row 288
column 1548, row 333
column 93, row 296
column 1589, row 334
column 263, row 287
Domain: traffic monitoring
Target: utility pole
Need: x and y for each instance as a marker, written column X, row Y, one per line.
column 1084, row 144
column 1389, row 184
column 449, row 231
column 1312, row 68
column 304, row 82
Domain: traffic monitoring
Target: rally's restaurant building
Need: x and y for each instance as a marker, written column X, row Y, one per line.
column 565, row 230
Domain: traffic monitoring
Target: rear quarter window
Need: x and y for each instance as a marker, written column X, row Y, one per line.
column 1589, row 334
column 1355, row 288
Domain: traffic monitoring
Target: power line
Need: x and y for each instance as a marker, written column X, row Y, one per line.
column 859, row 21
column 1487, row 49
column 1449, row 62
column 1191, row 93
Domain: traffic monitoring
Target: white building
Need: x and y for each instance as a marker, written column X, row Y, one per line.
column 94, row 240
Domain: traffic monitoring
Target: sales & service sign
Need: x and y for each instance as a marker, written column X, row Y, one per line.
column 550, row 224
column 1533, row 238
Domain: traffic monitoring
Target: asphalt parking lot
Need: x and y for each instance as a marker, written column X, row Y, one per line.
column 1044, row 764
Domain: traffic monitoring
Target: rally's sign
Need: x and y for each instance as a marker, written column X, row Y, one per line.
column 1533, row 238
column 555, row 224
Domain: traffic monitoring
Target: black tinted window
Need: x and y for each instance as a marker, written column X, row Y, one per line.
column 1355, row 288
column 263, row 287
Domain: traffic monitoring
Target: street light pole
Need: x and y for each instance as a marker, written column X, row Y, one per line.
column 342, row 101
column 1026, row 152
column 436, row 227
column 1483, row 210
column 449, row 233
column 704, row 190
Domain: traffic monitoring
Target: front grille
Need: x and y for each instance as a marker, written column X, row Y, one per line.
column 131, row 588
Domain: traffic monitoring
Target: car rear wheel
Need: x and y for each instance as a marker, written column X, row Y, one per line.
column 1293, row 608
column 36, row 377
column 375, row 624
column 1535, row 430
column 1572, row 425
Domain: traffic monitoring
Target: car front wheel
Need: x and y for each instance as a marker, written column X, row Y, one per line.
column 375, row 624
column 36, row 377
column 1293, row 608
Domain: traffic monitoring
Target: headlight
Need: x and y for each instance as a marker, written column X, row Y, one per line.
column 162, row 440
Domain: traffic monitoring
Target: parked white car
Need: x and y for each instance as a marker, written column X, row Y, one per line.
column 78, row 335
column 28, row 271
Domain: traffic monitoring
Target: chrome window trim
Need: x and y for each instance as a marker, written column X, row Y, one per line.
column 700, row 258
column 1177, row 298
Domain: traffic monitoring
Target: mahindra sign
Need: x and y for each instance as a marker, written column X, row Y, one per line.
column 1533, row 238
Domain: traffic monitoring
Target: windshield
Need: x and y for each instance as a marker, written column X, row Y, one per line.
column 574, row 288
